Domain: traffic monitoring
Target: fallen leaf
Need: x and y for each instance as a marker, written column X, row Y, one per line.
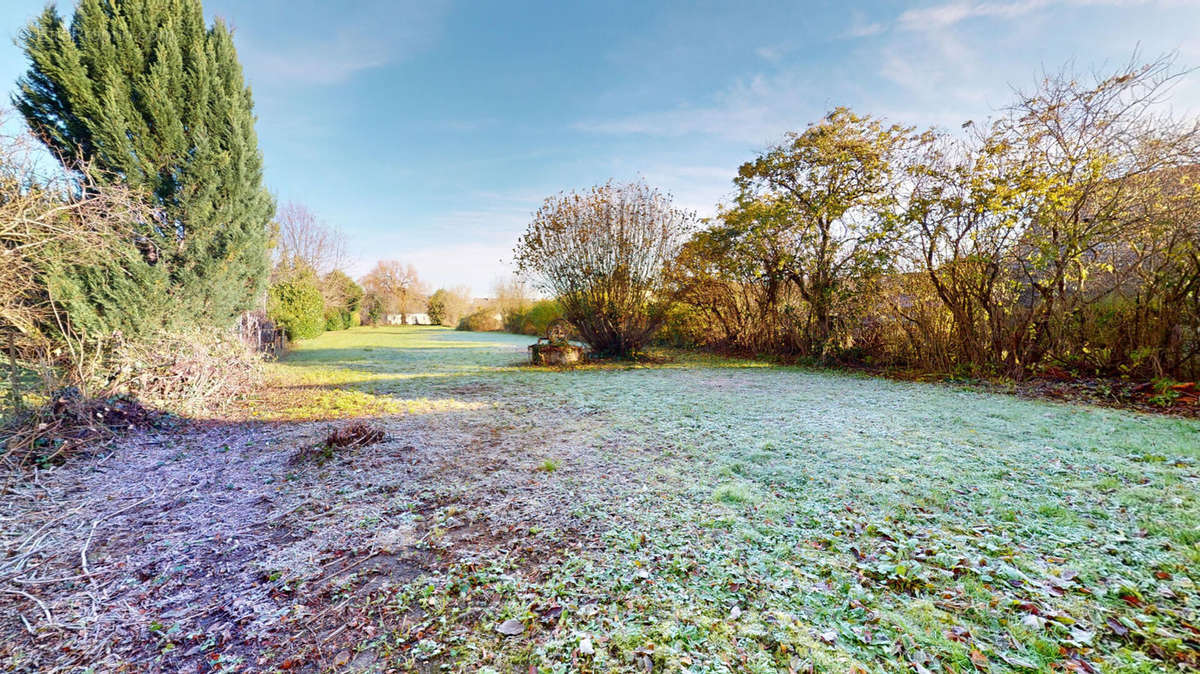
column 1017, row 661
column 1082, row 636
column 550, row 614
column 511, row 627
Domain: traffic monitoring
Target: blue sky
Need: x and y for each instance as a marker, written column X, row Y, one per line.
column 429, row 131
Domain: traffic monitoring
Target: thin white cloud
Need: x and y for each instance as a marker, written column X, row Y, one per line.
column 771, row 53
column 937, row 65
column 480, row 242
column 350, row 42
column 935, row 17
column 752, row 111
column 461, row 260
column 860, row 26
column 329, row 61
column 695, row 188
column 473, row 264
column 866, row 30
column 756, row 112
column 933, row 76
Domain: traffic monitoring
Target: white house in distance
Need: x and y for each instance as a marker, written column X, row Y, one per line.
column 408, row 319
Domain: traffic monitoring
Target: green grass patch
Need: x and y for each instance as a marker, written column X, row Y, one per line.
column 774, row 518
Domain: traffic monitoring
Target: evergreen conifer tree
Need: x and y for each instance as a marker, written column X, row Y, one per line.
column 143, row 92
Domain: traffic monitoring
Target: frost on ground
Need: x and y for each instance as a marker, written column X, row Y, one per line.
column 703, row 516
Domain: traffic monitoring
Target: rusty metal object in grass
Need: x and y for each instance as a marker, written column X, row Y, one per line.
column 555, row 348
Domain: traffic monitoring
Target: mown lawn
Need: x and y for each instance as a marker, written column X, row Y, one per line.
column 759, row 518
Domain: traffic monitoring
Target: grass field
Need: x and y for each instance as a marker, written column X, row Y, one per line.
column 753, row 518
column 696, row 515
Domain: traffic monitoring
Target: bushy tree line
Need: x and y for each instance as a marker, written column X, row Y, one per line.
column 448, row 306
column 512, row 308
column 1064, row 233
column 520, row 312
column 343, row 301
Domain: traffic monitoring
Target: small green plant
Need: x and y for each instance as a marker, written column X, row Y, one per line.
column 1166, row 393
column 167, row 636
column 548, row 465
column 1165, row 399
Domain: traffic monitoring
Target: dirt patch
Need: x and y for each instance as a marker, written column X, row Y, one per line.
column 142, row 552
column 210, row 547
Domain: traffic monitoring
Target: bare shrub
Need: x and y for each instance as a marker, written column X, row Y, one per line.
column 193, row 374
column 354, row 434
column 393, row 288
column 304, row 240
column 604, row 255
column 486, row 319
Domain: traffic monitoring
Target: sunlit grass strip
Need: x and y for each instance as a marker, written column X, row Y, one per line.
column 293, row 375
column 341, row 404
